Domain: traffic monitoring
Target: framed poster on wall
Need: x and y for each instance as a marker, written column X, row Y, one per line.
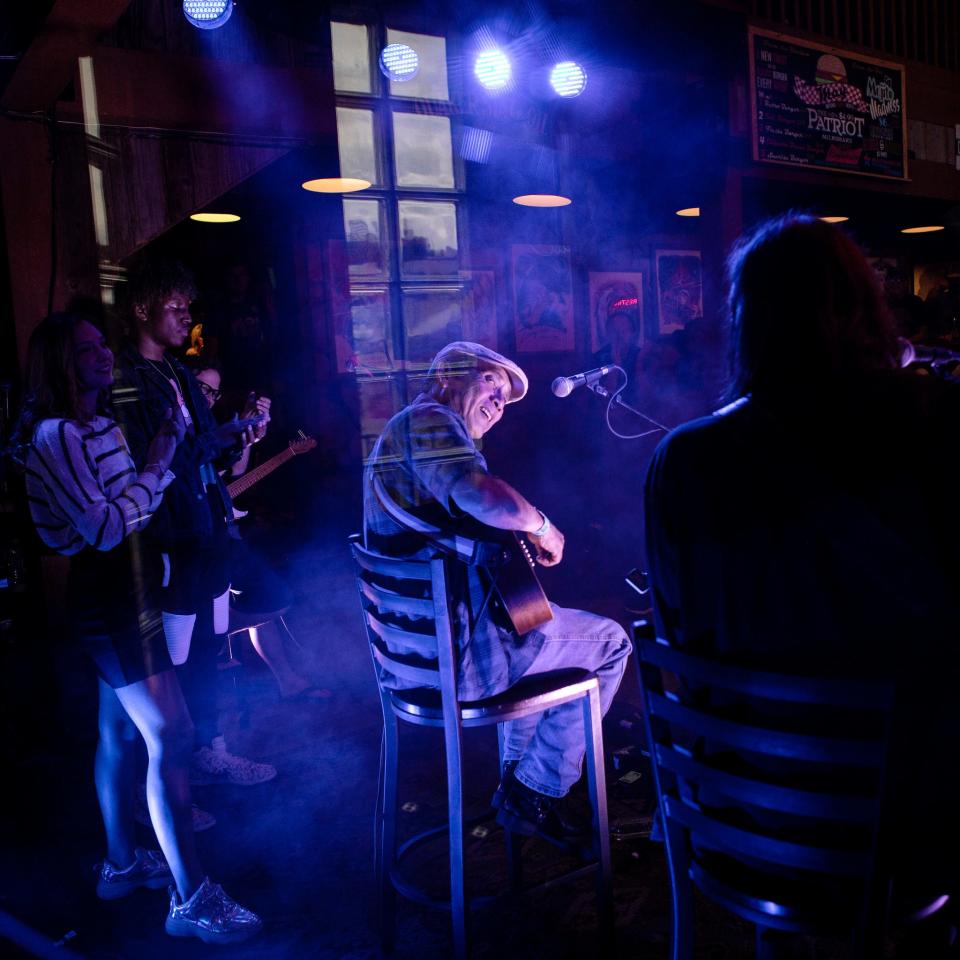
column 822, row 107
column 679, row 289
column 542, row 300
column 616, row 312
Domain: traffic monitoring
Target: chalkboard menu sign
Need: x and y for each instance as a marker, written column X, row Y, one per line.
column 816, row 106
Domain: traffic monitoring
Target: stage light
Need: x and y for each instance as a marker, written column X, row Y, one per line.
column 689, row 212
column 335, row 185
column 568, row 78
column 930, row 229
column 207, row 14
column 215, row 217
column 492, row 69
column 399, row 62
column 834, row 219
column 542, row 200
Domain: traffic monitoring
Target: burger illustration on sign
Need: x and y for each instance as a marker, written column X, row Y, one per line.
column 830, row 86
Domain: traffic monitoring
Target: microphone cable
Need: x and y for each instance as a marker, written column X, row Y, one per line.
column 657, row 427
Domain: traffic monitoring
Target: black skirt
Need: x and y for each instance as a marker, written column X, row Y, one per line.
column 112, row 599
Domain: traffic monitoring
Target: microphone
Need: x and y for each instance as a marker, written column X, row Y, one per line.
column 564, row 386
column 918, row 353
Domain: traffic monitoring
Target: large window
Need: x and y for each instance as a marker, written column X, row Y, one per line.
column 403, row 235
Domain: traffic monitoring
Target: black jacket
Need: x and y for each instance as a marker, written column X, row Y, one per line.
column 141, row 397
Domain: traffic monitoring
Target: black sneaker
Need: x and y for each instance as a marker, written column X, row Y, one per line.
column 529, row 813
column 496, row 801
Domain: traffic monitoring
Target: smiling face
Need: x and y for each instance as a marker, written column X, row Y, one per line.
column 92, row 358
column 165, row 323
column 479, row 397
column 209, row 381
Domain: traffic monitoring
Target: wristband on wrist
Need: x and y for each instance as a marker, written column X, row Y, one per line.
column 544, row 527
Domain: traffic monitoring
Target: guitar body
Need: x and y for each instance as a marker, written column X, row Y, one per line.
column 516, row 583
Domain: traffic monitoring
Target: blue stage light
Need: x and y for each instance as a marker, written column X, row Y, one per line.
column 568, row 78
column 492, row 69
column 207, row 14
column 399, row 62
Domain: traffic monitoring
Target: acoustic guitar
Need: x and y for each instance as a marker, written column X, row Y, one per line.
column 516, row 582
column 504, row 554
column 295, row 447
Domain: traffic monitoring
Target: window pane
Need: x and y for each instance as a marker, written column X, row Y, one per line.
column 431, row 318
column 372, row 336
column 351, row 57
column 358, row 157
column 428, row 234
column 430, row 83
column 424, row 152
column 361, row 226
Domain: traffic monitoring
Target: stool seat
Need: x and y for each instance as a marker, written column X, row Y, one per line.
column 424, row 705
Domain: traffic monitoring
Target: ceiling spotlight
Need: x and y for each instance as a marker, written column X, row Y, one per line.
column 335, row 185
column 542, row 200
column 492, row 69
column 399, row 62
column 568, row 78
column 215, row 217
column 208, row 14
column 834, row 219
column 689, row 212
column 930, row 229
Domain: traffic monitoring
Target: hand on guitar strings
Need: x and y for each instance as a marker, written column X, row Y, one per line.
column 549, row 547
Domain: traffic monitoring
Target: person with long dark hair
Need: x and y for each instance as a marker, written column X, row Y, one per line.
column 89, row 501
column 811, row 525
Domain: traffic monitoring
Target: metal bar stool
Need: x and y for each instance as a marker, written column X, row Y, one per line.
column 406, row 608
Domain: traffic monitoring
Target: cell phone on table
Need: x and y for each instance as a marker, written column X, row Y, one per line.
column 638, row 580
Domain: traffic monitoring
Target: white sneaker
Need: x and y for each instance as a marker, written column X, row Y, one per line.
column 214, row 764
column 210, row 915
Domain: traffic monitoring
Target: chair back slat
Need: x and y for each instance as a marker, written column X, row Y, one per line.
column 385, row 598
column 852, row 809
column 411, row 668
column 389, row 566
column 751, row 845
column 760, row 739
column 400, row 640
column 787, row 688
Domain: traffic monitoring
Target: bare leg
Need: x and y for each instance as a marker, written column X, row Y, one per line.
column 157, row 707
column 268, row 642
column 114, row 771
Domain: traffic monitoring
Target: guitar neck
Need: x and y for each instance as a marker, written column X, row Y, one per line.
column 244, row 483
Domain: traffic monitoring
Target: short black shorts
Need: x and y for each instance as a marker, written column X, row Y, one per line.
column 113, row 600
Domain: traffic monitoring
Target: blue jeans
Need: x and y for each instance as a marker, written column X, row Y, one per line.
column 550, row 746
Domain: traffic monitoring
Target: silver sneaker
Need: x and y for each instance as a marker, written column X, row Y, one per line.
column 149, row 869
column 210, row 915
column 215, row 764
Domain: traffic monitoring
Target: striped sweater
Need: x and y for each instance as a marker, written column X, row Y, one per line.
column 83, row 487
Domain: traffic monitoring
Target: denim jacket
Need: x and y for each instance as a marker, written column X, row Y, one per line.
column 141, row 397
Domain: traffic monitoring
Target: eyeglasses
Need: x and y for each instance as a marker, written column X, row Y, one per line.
column 209, row 392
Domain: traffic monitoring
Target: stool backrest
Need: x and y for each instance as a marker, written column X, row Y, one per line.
column 768, row 775
column 407, row 613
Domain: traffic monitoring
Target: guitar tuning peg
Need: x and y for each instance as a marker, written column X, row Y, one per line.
column 301, row 435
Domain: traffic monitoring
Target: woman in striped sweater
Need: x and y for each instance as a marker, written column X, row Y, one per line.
column 88, row 501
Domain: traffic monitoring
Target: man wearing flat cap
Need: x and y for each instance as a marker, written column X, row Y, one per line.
column 425, row 475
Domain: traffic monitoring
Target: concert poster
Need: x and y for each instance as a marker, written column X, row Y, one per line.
column 616, row 309
column 679, row 289
column 829, row 109
column 543, row 302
